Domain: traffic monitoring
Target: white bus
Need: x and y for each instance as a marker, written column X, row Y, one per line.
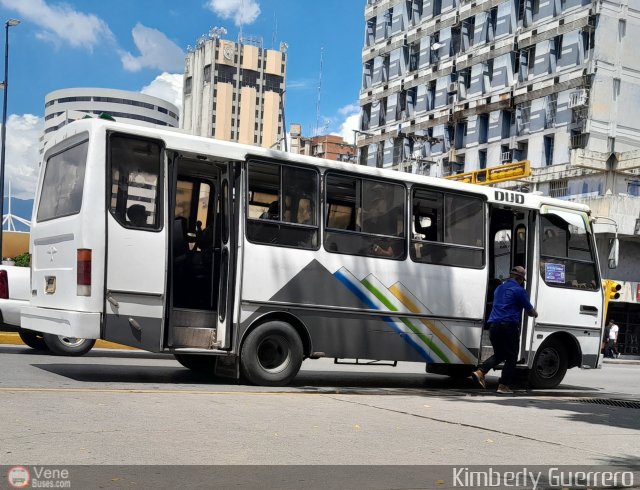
column 243, row 261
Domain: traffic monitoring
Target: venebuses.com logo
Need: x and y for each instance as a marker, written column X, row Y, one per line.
column 18, row 477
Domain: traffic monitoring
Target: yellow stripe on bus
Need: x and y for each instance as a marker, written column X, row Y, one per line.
column 413, row 308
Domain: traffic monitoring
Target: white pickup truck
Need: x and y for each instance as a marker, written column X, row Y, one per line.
column 14, row 294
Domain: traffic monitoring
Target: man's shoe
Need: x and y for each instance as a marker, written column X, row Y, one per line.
column 505, row 390
column 478, row 377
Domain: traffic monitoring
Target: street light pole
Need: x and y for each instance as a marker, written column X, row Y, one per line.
column 3, row 135
column 356, row 132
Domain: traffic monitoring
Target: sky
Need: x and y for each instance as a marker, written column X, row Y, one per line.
column 140, row 45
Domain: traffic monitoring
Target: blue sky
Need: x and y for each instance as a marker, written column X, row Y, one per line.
column 139, row 45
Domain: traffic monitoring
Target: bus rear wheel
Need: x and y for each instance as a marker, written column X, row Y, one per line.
column 549, row 365
column 33, row 339
column 68, row 346
column 272, row 354
column 199, row 363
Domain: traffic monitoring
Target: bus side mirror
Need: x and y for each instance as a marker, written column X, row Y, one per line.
column 614, row 247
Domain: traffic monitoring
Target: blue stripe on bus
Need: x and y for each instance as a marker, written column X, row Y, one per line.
column 363, row 297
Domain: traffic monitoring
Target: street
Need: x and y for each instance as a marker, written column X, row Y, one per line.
column 126, row 407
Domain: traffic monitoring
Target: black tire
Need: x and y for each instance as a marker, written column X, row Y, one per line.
column 271, row 354
column 68, row 346
column 200, row 363
column 33, row 339
column 549, row 365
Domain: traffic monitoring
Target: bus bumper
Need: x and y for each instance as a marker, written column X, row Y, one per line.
column 78, row 324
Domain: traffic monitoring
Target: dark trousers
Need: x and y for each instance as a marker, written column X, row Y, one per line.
column 610, row 349
column 505, row 338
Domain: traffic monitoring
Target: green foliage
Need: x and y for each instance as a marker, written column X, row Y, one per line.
column 22, row 260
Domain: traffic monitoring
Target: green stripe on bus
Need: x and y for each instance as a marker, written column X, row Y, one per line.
column 378, row 294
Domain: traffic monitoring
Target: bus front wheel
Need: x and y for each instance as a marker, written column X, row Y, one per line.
column 549, row 365
column 271, row 354
column 68, row 346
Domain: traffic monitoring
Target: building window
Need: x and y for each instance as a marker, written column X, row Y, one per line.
column 548, row 150
column 482, row 159
column 616, row 88
column 207, row 73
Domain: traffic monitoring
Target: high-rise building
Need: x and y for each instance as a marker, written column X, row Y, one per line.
column 66, row 105
column 458, row 85
column 234, row 91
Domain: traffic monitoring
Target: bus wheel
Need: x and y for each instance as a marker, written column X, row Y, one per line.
column 68, row 346
column 271, row 354
column 199, row 363
column 549, row 365
column 33, row 339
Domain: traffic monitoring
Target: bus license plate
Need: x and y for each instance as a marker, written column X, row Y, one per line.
column 50, row 287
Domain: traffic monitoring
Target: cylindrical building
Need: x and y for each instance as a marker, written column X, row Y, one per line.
column 67, row 105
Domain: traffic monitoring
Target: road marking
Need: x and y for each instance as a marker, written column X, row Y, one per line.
column 155, row 392
column 14, row 339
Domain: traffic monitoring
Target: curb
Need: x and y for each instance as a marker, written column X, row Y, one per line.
column 622, row 361
column 12, row 338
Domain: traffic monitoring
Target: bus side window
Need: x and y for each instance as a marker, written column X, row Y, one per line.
column 365, row 217
column 449, row 228
column 282, row 204
column 135, row 169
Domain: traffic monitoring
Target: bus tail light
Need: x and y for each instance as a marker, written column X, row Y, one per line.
column 84, row 272
column 4, row 285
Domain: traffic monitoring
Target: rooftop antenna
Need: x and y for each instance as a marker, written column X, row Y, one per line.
column 275, row 31
column 316, row 132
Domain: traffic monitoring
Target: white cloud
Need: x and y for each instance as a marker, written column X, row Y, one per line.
column 156, row 51
column 241, row 11
column 60, row 23
column 22, row 156
column 351, row 113
column 167, row 86
column 301, row 84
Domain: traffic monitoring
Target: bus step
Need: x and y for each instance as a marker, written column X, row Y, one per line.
column 364, row 362
column 204, row 338
column 193, row 318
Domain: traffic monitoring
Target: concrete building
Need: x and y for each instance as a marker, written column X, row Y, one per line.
column 234, row 91
column 329, row 146
column 66, row 105
column 451, row 86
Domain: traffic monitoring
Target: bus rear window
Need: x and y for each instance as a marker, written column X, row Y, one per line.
column 63, row 183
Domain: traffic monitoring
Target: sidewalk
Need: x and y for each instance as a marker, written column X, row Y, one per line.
column 623, row 359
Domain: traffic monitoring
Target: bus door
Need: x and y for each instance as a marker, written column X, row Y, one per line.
column 229, row 209
column 509, row 246
column 136, row 242
column 569, row 297
column 194, row 253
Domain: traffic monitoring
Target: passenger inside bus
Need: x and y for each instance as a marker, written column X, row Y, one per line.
column 380, row 220
column 273, row 212
column 137, row 215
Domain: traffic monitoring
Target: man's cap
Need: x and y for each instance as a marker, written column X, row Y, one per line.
column 519, row 271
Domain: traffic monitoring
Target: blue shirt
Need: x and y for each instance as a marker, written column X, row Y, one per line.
column 508, row 302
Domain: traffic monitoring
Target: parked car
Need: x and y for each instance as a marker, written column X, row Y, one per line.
column 14, row 294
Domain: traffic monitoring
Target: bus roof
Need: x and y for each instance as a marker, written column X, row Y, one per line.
column 214, row 149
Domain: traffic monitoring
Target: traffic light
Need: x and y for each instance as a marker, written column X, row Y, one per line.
column 611, row 289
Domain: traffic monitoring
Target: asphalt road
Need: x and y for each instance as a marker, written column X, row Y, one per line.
column 124, row 407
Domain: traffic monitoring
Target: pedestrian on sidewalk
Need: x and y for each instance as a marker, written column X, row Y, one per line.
column 504, row 321
column 611, row 350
